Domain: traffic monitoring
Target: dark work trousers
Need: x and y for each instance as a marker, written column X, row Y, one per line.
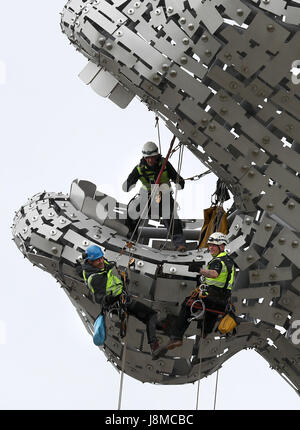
column 145, row 314
column 215, row 302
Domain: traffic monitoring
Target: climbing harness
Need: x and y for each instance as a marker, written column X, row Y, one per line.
column 195, row 316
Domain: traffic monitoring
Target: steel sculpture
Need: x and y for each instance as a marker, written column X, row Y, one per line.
column 219, row 74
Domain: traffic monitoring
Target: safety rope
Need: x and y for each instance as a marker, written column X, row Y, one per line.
column 200, row 363
column 197, row 177
column 158, row 132
column 216, row 389
column 170, row 231
column 123, row 367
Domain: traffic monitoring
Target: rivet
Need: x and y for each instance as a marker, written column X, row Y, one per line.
column 185, row 41
column 250, row 258
column 204, row 121
column 165, row 67
column 266, row 139
column 140, row 264
column 53, row 232
column 251, row 174
column 102, row 41
column 62, row 221
column 223, row 111
column 85, row 243
column 233, row 85
column 285, row 301
column 270, row 27
column 228, row 56
column 130, row 11
column 173, row 73
column 248, row 221
column 273, row 276
column 183, row 60
column 295, row 244
column 157, row 12
column 208, row 52
column 156, row 78
column 291, row 205
column 270, row 206
column 255, row 152
column 173, row 270
column 204, row 38
column 281, row 240
column 54, row 250
column 137, row 4
column 119, row 33
column 170, row 9
column 34, row 218
column 268, row 227
column 211, row 127
column 182, row 20
column 277, row 316
column 51, row 214
column 109, row 46
column 240, row 12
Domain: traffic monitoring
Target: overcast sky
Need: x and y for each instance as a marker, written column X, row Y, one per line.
column 55, row 129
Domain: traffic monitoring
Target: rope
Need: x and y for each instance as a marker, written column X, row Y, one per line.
column 122, row 370
column 158, row 132
column 197, row 177
column 200, row 364
column 172, row 224
column 216, row 388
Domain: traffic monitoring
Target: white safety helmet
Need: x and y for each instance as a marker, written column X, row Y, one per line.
column 217, row 239
column 150, row 149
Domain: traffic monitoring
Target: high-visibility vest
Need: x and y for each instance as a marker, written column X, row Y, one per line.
column 148, row 177
column 225, row 279
column 114, row 285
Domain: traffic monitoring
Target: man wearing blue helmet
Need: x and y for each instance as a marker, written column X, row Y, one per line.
column 101, row 277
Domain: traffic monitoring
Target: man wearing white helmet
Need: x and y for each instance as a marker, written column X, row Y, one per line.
column 219, row 278
column 147, row 172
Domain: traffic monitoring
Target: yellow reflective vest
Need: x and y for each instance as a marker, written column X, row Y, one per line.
column 114, row 285
column 148, row 176
column 226, row 278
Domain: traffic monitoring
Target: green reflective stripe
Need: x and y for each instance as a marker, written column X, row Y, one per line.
column 220, row 281
column 147, row 177
column 114, row 285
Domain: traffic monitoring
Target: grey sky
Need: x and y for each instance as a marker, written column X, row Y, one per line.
column 55, row 129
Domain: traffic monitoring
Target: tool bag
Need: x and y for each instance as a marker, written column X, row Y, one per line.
column 99, row 331
column 228, row 323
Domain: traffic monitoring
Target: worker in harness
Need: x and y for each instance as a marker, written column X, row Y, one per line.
column 147, row 171
column 101, row 277
column 219, row 278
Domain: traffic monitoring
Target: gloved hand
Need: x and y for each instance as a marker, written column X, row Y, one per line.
column 125, row 299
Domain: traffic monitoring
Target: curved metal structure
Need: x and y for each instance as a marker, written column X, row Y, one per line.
column 219, row 74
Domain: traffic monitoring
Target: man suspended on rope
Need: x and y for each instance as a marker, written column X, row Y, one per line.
column 219, row 278
column 102, row 279
column 147, row 171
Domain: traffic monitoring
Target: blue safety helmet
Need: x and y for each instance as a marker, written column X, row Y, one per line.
column 94, row 252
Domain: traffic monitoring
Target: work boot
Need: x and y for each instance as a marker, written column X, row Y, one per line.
column 154, row 346
column 181, row 248
column 173, row 343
